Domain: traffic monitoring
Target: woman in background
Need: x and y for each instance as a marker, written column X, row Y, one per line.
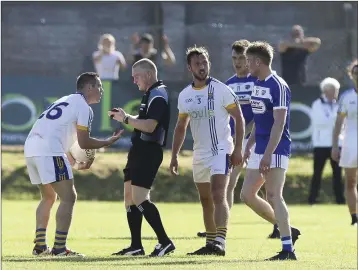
column 107, row 61
column 323, row 115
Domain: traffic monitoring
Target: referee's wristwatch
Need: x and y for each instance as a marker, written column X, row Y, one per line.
column 125, row 120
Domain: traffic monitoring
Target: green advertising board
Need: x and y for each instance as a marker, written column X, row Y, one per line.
column 25, row 98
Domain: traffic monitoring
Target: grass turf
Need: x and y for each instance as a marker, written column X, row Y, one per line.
column 100, row 228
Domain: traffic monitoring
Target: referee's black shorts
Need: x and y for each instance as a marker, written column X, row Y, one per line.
column 144, row 160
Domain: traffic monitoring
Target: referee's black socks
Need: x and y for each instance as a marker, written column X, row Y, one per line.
column 151, row 214
column 135, row 217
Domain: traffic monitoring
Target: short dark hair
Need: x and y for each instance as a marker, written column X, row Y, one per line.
column 240, row 46
column 86, row 78
column 351, row 67
column 191, row 51
column 262, row 50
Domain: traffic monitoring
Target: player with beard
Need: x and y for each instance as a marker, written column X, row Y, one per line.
column 207, row 104
column 242, row 84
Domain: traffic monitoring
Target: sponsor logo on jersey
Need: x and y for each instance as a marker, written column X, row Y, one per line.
column 242, row 87
column 244, row 98
column 203, row 113
column 261, row 92
column 258, row 106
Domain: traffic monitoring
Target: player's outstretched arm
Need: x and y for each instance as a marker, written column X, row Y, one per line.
column 87, row 142
column 178, row 140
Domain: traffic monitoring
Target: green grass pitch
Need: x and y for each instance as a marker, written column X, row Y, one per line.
column 100, row 228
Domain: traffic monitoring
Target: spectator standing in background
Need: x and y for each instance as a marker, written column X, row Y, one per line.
column 294, row 53
column 107, row 61
column 323, row 115
column 143, row 47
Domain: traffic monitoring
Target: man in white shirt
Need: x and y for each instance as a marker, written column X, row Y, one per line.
column 208, row 103
column 348, row 157
column 49, row 162
column 323, row 115
column 107, row 60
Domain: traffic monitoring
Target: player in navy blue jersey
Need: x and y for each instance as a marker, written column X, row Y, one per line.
column 270, row 103
column 242, row 83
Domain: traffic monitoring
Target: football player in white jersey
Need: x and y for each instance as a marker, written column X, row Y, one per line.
column 207, row 104
column 242, row 83
column 49, row 162
column 348, row 158
column 270, row 102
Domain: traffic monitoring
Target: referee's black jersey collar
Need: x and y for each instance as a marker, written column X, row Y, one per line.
column 155, row 85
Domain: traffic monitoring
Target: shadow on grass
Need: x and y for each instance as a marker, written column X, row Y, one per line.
column 155, row 238
column 248, row 223
column 146, row 238
column 181, row 260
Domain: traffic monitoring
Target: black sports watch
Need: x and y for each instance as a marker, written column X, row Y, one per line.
column 125, row 120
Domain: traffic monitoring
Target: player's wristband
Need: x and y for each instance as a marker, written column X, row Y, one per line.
column 125, row 120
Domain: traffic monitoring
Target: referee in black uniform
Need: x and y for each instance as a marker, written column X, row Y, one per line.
column 145, row 157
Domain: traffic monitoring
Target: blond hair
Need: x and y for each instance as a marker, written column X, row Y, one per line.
column 108, row 37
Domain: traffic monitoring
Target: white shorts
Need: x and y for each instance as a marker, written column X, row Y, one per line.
column 349, row 157
column 277, row 161
column 46, row 170
column 204, row 168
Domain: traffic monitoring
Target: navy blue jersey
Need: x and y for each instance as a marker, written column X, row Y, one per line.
column 268, row 95
column 242, row 87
